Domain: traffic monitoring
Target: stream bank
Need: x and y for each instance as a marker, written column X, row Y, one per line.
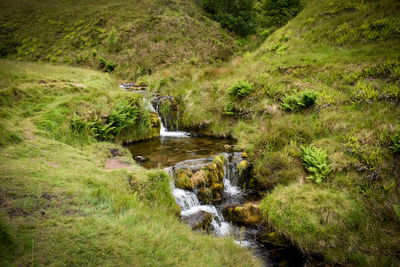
column 206, row 176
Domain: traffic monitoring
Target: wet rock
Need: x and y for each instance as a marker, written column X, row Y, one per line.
column 269, row 236
column 228, row 148
column 243, row 170
column 243, row 215
column 207, row 177
column 155, row 125
column 205, row 195
column 140, row 159
column 237, row 148
column 200, row 220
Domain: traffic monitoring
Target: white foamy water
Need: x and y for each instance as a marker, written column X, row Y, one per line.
column 185, row 199
column 221, row 227
column 231, row 189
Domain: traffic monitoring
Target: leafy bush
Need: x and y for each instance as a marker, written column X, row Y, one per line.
column 396, row 143
column 300, row 101
column 107, row 66
column 240, row 89
column 315, row 160
column 235, row 15
column 279, row 12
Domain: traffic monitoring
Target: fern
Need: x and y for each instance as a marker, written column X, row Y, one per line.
column 300, row 101
column 315, row 161
column 240, row 89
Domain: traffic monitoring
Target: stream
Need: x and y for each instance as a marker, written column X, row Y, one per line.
column 175, row 150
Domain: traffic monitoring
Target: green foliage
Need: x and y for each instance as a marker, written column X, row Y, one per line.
column 112, row 38
column 240, row 89
column 396, row 143
column 100, row 129
column 299, row 101
column 379, row 30
column 279, row 12
column 388, row 70
column 106, row 65
column 236, row 15
column 229, row 109
column 338, row 6
column 124, row 115
column 315, row 160
column 364, row 92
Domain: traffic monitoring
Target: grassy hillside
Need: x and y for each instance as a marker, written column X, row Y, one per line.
column 130, row 37
column 317, row 107
column 61, row 206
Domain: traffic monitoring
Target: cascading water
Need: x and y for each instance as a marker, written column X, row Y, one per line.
column 164, row 131
column 173, row 150
column 190, row 204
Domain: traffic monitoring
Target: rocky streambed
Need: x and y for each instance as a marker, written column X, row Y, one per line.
column 207, row 174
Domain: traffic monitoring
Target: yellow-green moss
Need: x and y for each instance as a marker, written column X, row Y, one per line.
column 183, row 179
column 247, row 214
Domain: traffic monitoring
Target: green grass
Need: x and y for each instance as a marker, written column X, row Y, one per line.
column 131, row 39
column 353, row 71
column 60, row 206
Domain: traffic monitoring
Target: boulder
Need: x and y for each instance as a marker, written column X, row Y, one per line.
column 200, row 220
column 243, row 215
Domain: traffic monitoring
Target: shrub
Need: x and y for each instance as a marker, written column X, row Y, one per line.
column 107, row 66
column 300, row 101
column 315, row 160
column 279, row 12
column 240, row 89
column 236, row 15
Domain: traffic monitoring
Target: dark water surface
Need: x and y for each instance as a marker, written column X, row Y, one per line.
column 167, row 151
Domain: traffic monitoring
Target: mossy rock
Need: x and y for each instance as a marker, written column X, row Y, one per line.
column 243, row 169
column 199, row 179
column 183, row 179
column 269, row 236
column 155, row 126
column 205, row 195
column 243, row 215
column 200, row 221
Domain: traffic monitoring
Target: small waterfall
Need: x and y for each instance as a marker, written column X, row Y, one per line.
column 190, row 204
column 185, row 199
column 164, row 131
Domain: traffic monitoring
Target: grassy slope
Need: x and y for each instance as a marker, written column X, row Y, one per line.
column 60, row 206
column 327, row 48
column 141, row 36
